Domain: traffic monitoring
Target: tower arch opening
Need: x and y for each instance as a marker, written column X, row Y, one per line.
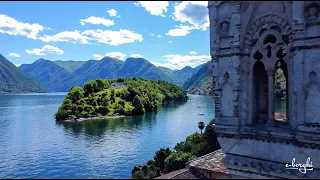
column 260, row 93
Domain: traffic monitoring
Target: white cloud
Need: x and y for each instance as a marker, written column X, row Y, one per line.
column 113, row 38
column 45, row 49
column 180, row 31
column 177, row 61
column 195, row 13
column 97, row 56
column 17, row 65
column 113, row 13
column 117, row 55
column 149, row 33
column 136, row 56
column 167, row 65
column 159, row 36
column 192, row 52
column 170, row 41
column 97, row 20
column 14, row 55
column 9, row 25
column 66, row 36
column 156, row 8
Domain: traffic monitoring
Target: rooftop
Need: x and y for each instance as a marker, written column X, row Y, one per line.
column 211, row 163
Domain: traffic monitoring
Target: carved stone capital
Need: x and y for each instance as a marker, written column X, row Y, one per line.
column 223, row 28
column 311, row 10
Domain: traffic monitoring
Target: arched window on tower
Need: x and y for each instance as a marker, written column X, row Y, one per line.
column 281, row 107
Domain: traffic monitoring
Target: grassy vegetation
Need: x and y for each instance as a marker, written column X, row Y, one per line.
column 97, row 98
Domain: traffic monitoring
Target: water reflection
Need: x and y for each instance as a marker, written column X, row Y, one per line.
column 100, row 126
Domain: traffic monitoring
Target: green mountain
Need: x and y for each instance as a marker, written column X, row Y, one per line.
column 200, row 82
column 70, row 65
column 12, row 80
column 46, row 73
column 60, row 76
column 92, row 69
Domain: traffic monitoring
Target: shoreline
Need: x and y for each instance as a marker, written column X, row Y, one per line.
column 75, row 119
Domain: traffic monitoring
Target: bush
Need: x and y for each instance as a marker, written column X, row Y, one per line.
column 127, row 109
column 80, row 108
column 138, row 106
column 104, row 110
column 84, row 114
column 62, row 115
column 160, row 157
column 75, row 94
column 184, row 146
column 177, row 160
column 148, row 171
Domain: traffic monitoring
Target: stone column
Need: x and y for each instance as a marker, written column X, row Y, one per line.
column 270, row 98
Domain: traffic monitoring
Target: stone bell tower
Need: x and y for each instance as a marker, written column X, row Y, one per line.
column 249, row 40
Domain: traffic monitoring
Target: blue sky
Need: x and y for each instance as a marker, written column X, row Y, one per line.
column 171, row 34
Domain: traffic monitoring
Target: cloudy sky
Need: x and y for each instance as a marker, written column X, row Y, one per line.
column 171, row 34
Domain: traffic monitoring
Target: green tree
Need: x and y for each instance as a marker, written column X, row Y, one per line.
column 184, row 146
column 80, row 108
column 90, row 87
column 160, row 157
column 75, row 94
column 201, row 126
column 62, row 114
column 100, row 84
column 138, row 106
column 177, row 160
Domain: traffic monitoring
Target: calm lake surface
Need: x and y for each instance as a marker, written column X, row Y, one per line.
column 33, row 145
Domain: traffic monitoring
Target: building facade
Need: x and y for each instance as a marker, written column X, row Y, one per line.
column 249, row 41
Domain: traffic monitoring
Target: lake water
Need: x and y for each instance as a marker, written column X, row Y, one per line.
column 33, row 145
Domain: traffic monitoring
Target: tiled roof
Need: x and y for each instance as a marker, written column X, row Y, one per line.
column 211, row 162
column 185, row 173
column 171, row 174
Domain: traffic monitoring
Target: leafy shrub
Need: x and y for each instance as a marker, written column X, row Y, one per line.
column 177, row 160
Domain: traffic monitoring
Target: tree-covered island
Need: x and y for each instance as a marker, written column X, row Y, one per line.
column 121, row 97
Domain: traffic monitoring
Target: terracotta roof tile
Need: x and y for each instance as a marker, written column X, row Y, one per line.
column 212, row 162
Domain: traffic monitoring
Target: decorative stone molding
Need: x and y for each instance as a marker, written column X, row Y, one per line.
column 265, row 138
column 223, row 28
column 311, row 10
column 299, row 48
column 265, row 22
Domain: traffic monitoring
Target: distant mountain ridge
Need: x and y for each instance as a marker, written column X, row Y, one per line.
column 69, row 65
column 200, row 82
column 12, row 80
column 59, row 76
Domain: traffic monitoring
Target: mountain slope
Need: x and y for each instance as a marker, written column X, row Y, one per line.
column 45, row 72
column 200, row 83
column 140, row 68
column 12, row 80
column 92, row 69
column 70, row 65
column 182, row 75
